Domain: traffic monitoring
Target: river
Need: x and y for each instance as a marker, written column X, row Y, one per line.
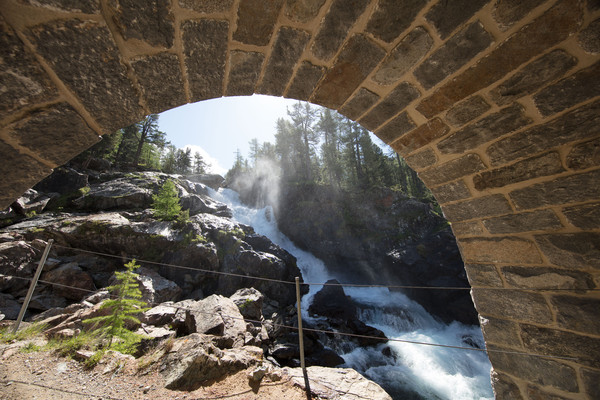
column 412, row 371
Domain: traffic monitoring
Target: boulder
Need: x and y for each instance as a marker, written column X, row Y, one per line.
column 162, row 314
column 194, row 361
column 213, row 181
column 73, row 276
column 331, row 383
column 332, row 302
column 63, row 180
column 250, row 302
column 122, row 193
column 219, row 316
column 9, row 306
column 197, row 204
column 156, row 289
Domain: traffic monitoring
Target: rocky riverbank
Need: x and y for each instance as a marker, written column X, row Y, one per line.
column 209, row 316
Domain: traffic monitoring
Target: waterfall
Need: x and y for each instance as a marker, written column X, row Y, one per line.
column 407, row 371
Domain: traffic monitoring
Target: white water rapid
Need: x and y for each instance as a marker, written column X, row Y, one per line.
column 413, row 371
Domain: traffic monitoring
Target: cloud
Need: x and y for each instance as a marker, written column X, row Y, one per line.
column 213, row 164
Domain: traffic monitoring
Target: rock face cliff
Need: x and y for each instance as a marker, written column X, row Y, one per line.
column 380, row 236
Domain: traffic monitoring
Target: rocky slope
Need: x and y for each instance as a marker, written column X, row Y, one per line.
column 380, row 237
column 216, row 324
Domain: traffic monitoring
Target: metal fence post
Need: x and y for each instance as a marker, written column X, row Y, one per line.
column 301, row 340
column 38, row 272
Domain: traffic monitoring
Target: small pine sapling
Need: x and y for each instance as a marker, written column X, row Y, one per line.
column 165, row 204
column 123, row 308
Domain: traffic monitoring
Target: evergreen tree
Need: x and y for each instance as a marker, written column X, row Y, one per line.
column 166, row 204
column 183, row 161
column 147, row 132
column 123, row 309
column 199, row 164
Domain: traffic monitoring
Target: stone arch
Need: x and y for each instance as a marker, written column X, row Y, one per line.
column 494, row 103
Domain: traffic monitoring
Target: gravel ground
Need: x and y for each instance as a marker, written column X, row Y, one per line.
column 45, row 375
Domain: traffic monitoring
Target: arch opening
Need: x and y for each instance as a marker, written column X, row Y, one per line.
column 496, row 112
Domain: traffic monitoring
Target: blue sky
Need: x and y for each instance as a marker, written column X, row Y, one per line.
column 217, row 127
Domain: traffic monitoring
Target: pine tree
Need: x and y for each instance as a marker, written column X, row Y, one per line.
column 166, row 204
column 123, row 309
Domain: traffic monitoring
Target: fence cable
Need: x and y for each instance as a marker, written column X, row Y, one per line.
column 274, row 324
column 315, row 283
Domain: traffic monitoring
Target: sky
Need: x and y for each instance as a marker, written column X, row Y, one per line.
column 216, row 128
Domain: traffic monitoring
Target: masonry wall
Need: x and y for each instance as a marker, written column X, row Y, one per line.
column 495, row 104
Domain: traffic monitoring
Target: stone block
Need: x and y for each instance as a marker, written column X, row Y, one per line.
column 504, row 387
column 396, row 128
column 538, row 370
column 335, row 27
column 303, row 10
column 256, row 21
column 24, row 172
column 421, row 160
column 446, row 17
column 395, row 102
column 534, row 167
column 306, row 80
column 206, row 6
column 150, row 22
column 404, row 56
column 205, row 49
column 578, row 124
column 591, row 381
column 451, row 192
column 578, row 313
column 554, row 342
column 22, row 79
column 585, row 216
column 471, row 228
column 571, row 250
column 564, row 190
column 512, row 304
column 452, row 170
column 161, row 81
column 467, row 110
column 356, row 61
column 453, row 54
column 589, row 38
column 56, row 134
column 480, row 207
column 500, row 332
column 287, row 49
column 532, row 39
column 359, row 103
column 423, row 135
column 85, row 57
column 584, row 155
column 533, row 76
column 508, row 12
column 486, row 129
column 483, row 275
column 244, row 71
column 392, row 17
column 506, row 250
column 547, row 278
column 542, row 220
column 75, row 6
column 536, row 393
column 570, row 91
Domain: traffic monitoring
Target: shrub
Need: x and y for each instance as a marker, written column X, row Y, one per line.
column 166, row 203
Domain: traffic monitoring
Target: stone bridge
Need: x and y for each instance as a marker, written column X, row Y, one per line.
column 495, row 104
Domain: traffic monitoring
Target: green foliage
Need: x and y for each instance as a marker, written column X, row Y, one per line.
column 166, row 204
column 28, row 332
column 123, row 309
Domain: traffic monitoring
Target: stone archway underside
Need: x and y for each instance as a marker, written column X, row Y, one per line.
column 495, row 104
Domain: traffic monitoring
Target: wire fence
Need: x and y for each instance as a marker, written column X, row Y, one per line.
column 273, row 323
column 327, row 332
column 259, row 278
